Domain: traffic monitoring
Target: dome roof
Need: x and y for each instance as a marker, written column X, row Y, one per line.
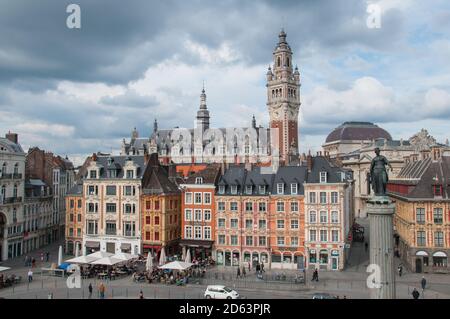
column 360, row 131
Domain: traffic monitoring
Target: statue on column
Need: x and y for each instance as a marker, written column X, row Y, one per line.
column 378, row 173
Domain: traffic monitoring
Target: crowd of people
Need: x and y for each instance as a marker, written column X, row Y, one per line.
column 9, row 280
column 108, row 272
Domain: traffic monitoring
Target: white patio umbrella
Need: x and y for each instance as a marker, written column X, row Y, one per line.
column 125, row 256
column 100, row 254
column 162, row 257
column 60, row 255
column 176, row 265
column 77, row 250
column 149, row 263
column 188, row 256
column 82, row 260
column 4, row 268
column 107, row 261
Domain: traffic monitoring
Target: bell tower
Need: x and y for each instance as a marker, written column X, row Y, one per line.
column 283, row 98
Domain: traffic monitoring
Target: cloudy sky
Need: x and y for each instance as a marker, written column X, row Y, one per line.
column 78, row 91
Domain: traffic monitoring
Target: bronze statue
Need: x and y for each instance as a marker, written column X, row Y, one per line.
column 378, row 174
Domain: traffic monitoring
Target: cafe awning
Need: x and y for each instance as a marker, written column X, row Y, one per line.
column 125, row 246
column 92, row 244
column 439, row 254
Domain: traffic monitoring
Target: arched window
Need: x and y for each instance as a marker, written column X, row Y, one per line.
column 16, row 168
column 287, row 62
column 4, row 169
column 3, row 193
column 279, row 61
column 15, row 191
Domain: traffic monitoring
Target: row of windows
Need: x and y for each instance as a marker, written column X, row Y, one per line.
column 323, row 217
column 438, row 216
column 111, row 190
column 111, row 208
column 323, row 235
column 78, row 232
column 173, row 204
column 128, row 228
column 5, row 169
column 71, row 218
column 438, row 237
column 262, row 223
column 72, row 203
column 323, row 198
column 198, row 198
column 112, row 173
column 261, row 206
column 233, row 240
column 197, row 232
column 199, row 215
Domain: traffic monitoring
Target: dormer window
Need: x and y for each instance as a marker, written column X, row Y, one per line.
column 221, row 189
column 92, row 174
column 130, row 174
column 323, row 177
column 262, row 189
column 437, row 190
column 199, row 180
column 280, row 188
column 112, row 173
column 234, row 189
column 294, row 189
column 248, row 189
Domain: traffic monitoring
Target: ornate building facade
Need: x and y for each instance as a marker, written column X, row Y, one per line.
column 12, row 193
column 252, row 144
column 421, row 192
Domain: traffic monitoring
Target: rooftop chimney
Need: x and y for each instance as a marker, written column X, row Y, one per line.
column 13, row 137
column 309, row 162
column 153, row 161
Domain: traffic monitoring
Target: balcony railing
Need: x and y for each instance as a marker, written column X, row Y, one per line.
column 11, row 200
column 11, row 176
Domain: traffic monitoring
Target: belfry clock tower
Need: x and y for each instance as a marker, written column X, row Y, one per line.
column 283, row 99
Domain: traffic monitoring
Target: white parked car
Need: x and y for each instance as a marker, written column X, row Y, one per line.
column 220, row 292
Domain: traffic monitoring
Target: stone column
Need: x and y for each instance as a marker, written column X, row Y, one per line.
column 381, row 213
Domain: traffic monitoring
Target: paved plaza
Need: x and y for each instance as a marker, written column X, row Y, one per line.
column 350, row 283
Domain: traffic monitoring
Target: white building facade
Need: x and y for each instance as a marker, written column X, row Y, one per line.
column 112, row 190
column 12, row 188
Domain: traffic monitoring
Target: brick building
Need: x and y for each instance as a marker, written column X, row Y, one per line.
column 160, row 208
column 421, row 192
column 198, row 212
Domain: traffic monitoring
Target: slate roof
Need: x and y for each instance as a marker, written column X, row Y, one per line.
column 422, row 176
column 210, row 175
column 75, row 190
column 156, row 180
column 365, row 131
column 287, row 175
column 118, row 163
column 11, row 146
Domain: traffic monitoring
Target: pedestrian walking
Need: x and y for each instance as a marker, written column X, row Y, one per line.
column 366, row 246
column 101, row 290
column 262, row 267
column 258, row 268
column 30, row 276
column 141, row 295
column 42, row 257
column 400, row 270
column 249, row 266
column 33, row 262
column 423, row 282
column 243, row 271
column 238, row 275
column 50, row 295
column 315, row 276
column 47, row 255
column 90, row 290
column 415, row 294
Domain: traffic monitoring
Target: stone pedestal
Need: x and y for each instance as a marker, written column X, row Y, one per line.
column 381, row 212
